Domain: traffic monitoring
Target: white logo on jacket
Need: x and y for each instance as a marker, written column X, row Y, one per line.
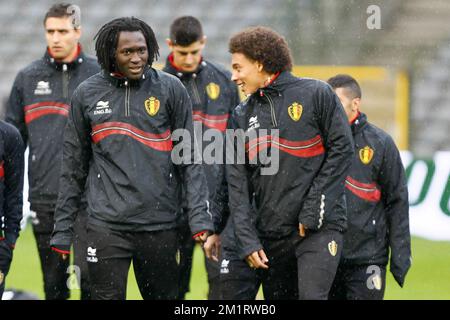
column 42, row 88
column 92, row 255
column 253, row 123
column 102, row 108
column 224, row 266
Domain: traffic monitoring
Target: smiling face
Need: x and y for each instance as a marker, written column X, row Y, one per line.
column 248, row 75
column 62, row 38
column 131, row 54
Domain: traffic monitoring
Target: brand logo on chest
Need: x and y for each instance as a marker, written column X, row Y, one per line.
column 42, row 88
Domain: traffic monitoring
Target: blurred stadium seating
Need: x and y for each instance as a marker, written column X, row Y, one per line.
column 414, row 37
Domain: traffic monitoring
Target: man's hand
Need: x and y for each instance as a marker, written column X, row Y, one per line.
column 212, row 247
column 301, row 230
column 257, row 259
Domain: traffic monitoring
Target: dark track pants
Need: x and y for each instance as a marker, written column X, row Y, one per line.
column 55, row 270
column 359, row 282
column 153, row 254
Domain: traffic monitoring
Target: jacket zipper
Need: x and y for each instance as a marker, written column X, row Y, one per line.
column 65, row 81
column 272, row 111
column 195, row 90
column 127, row 99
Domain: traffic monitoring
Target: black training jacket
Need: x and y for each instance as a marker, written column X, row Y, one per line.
column 119, row 137
column 213, row 96
column 377, row 202
column 315, row 150
column 39, row 106
column 11, row 182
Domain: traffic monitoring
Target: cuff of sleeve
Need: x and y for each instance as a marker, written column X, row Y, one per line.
column 61, row 249
column 11, row 239
column 249, row 250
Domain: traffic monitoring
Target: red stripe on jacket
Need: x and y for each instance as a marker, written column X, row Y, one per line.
column 218, row 122
column 302, row 149
column 366, row 191
column 161, row 142
column 2, row 171
column 40, row 109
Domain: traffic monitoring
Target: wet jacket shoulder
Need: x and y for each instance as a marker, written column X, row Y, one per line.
column 302, row 123
column 120, row 137
column 11, row 182
column 38, row 106
column 377, row 197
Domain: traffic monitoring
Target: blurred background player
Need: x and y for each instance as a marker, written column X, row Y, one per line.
column 11, row 194
column 294, row 238
column 377, row 206
column 119, row 139
column 38, row 106
column 213, row 96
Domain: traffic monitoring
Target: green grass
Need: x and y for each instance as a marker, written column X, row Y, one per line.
column 428, row 277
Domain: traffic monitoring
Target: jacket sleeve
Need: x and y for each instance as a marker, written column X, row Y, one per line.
column 392, row 181
column 194, row 180
column 328, row 186
column 13, row 195
column 75, row 167
column 240, row 195
column 15, row 108
column 222, row 212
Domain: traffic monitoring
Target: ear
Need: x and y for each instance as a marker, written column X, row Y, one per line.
column 78, row 32
column 259, row 66
column 203, row 40
column 356, row 102
column 169, row 43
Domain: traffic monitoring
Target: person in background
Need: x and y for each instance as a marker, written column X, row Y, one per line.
column 38, row 106
column 377, row 206
column 213, row 96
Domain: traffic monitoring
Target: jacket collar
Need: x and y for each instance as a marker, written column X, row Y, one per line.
column 173, row 69
column 58, row 65
column 276, row 85
column 118, row 80
column 359, row 123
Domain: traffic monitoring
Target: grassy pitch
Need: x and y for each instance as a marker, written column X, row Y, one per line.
column 428, row 277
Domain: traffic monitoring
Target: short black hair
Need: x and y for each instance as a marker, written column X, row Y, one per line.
column 186, row 30
column 264, row 45
column 62, row 10
column 108, row 37
column 347, row 82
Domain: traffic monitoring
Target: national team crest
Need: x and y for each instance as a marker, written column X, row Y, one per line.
column 213, row 90
column 152, row 106
column 366, row 154
column 295, row 111
column 333, row 247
